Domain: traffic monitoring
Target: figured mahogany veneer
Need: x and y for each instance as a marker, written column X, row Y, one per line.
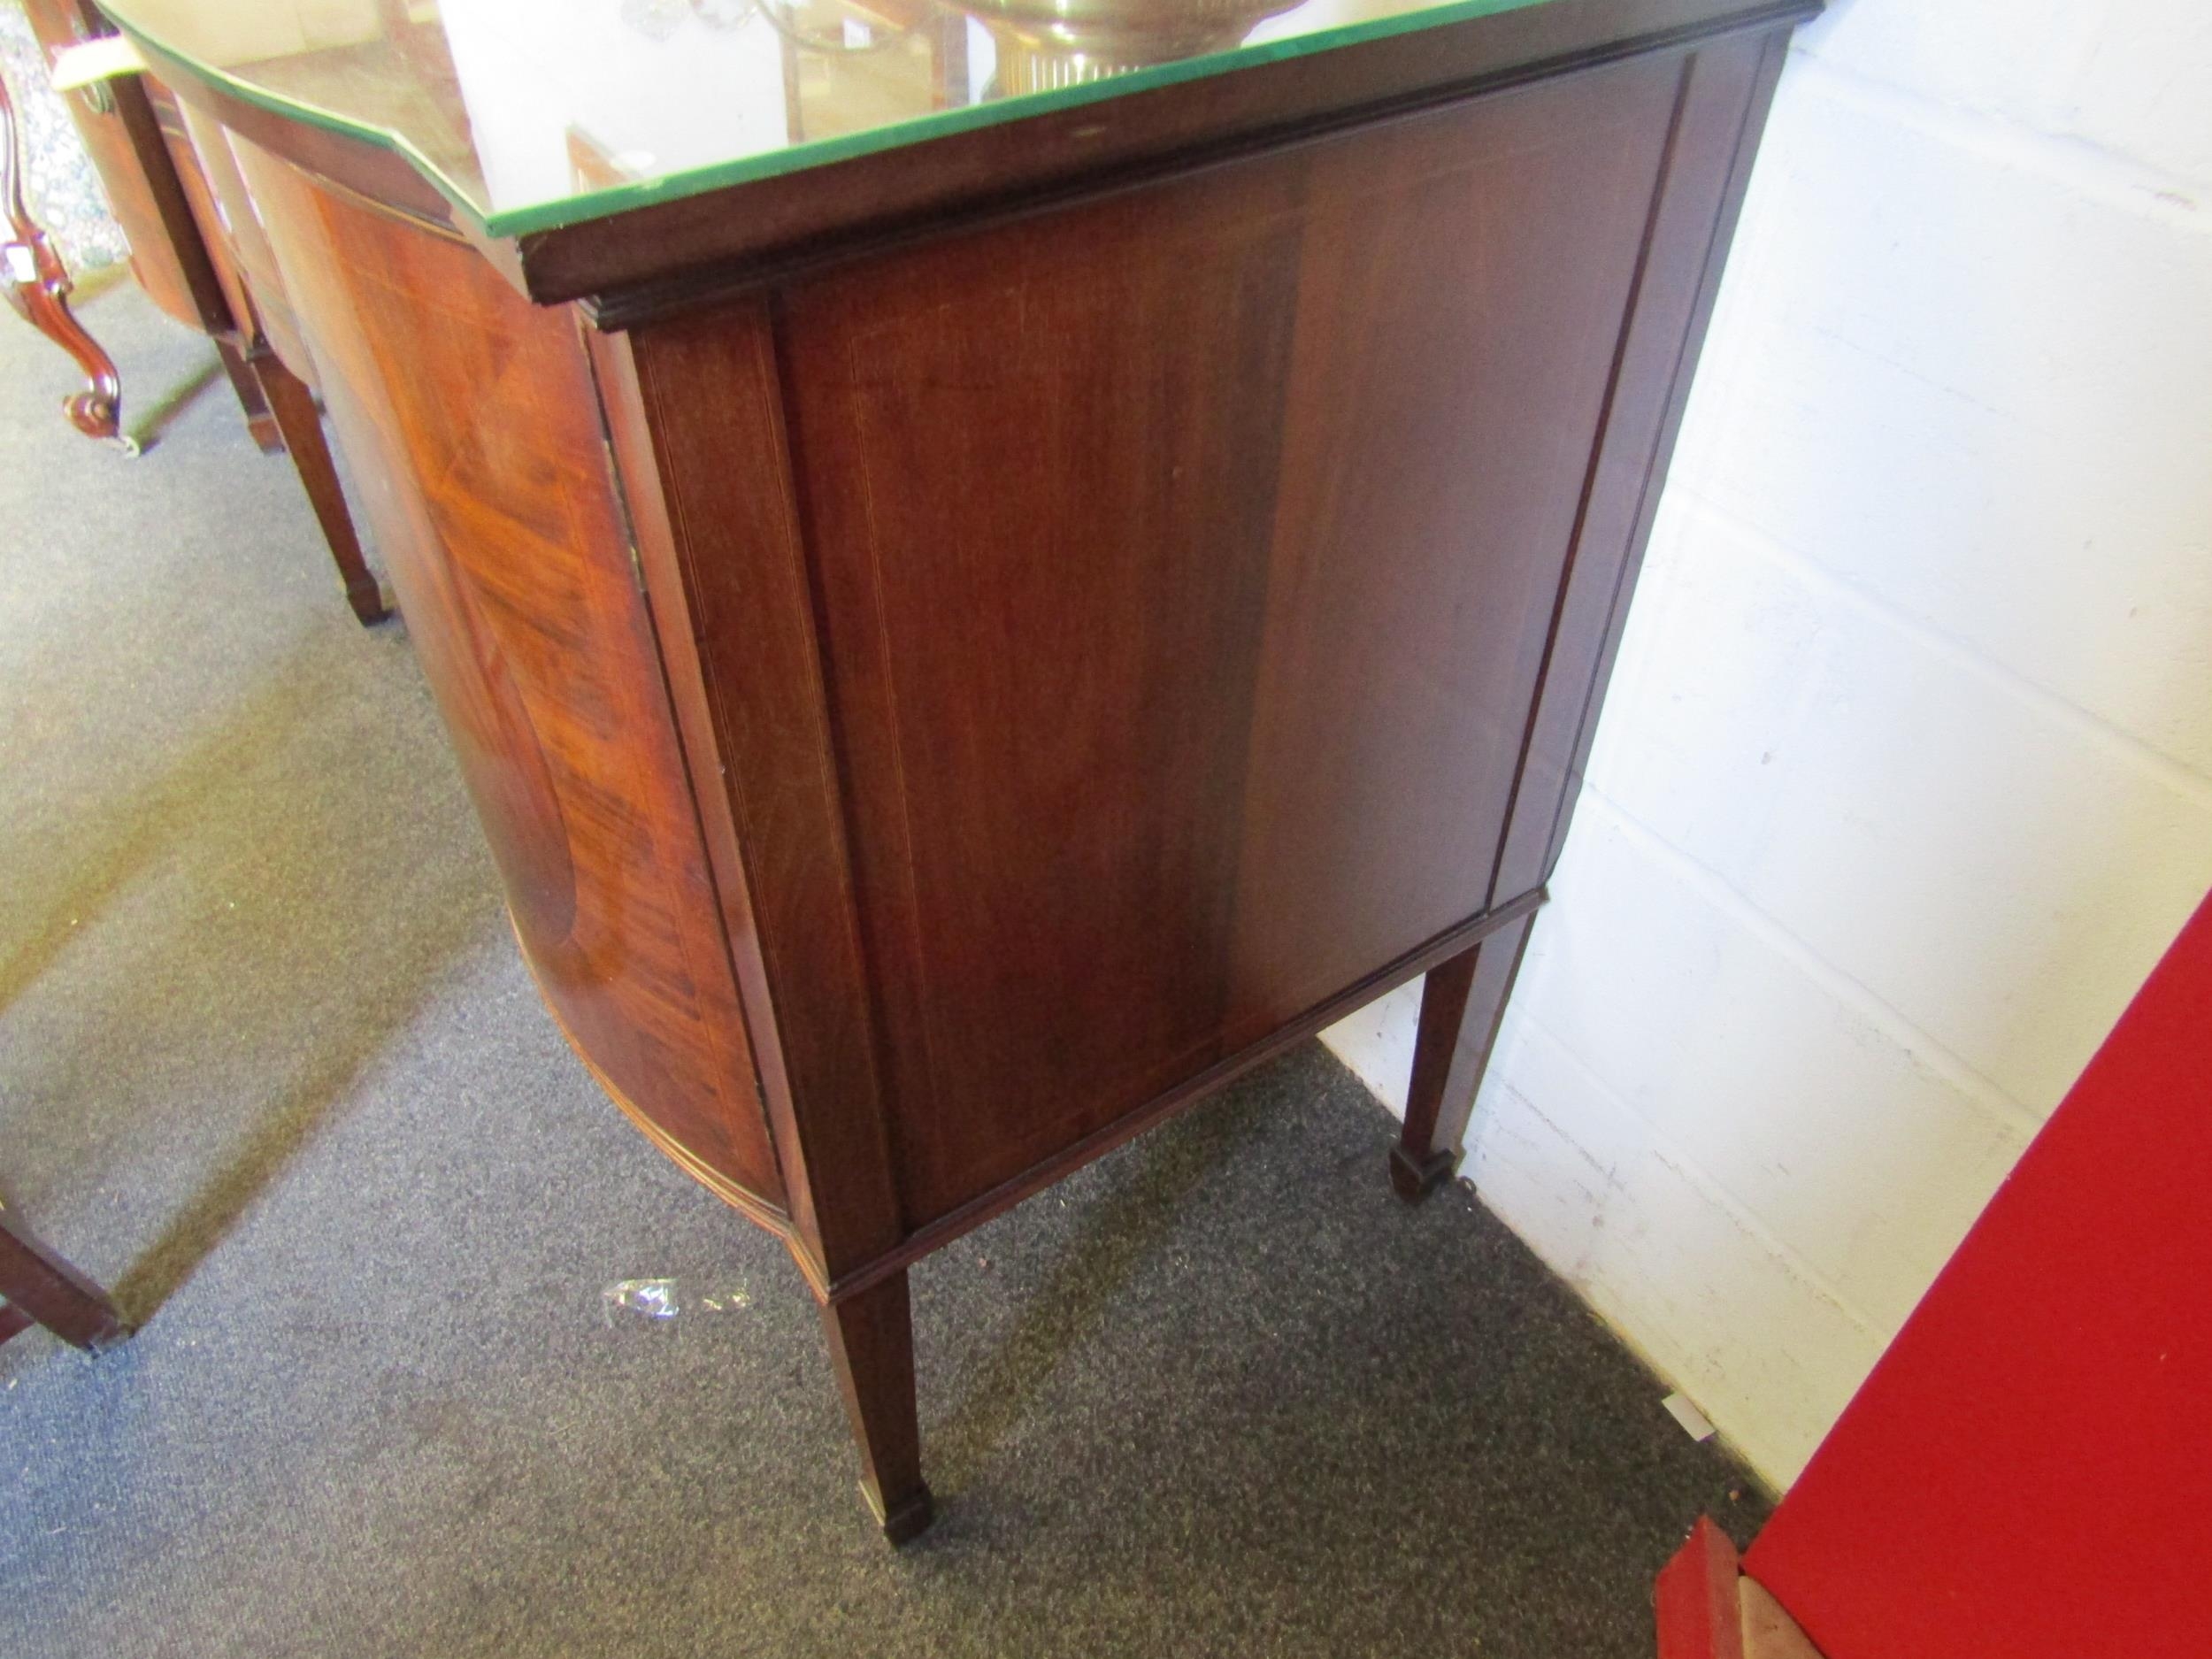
column 500, row 523
column 945, row 693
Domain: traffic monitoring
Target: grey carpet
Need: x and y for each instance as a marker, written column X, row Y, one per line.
column 269, row 1066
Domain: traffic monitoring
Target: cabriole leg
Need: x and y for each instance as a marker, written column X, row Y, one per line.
column 34, row 281
column 872, row 1346
column 1461, row 1005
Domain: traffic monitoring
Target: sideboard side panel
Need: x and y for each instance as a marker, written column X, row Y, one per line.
column 1715, row 135
column 469, row 416
column 1185, row 564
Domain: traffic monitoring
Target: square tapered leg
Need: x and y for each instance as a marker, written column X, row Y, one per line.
column 871, row 1346
column 1462, row 1004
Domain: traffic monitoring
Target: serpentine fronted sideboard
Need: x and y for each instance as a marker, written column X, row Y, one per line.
column 991, row 566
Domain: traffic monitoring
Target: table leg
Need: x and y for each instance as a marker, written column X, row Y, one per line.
column 260, row 421
column 292, row 405
column 872, row 1346
column 38, row 286
column 41, row 1286
column 1462, row 1003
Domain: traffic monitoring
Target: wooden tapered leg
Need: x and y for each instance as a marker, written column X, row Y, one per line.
column 871, row 1345
column 42, row 1287
column 259, row 422
column 1462, row 1003
column 292, row 406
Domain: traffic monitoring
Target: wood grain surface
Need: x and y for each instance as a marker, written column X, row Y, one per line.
column 1186, row 563
column 486, row 479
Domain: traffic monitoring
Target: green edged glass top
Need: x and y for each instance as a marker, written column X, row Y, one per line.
column 533, row 113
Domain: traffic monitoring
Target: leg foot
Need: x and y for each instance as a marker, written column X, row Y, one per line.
column 1461, row 1006
column 1415, row 1178
column 910, row 1520
column 42, row 1288
column 871, row 1346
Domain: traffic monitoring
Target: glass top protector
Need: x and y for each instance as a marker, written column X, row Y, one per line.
column 533, row 113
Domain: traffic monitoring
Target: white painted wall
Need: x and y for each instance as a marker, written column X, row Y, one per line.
column 1906, row 778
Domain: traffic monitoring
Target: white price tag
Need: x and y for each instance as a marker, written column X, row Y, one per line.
column 94, row 60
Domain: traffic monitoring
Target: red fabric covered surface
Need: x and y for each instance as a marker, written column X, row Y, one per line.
column 2028, row 1472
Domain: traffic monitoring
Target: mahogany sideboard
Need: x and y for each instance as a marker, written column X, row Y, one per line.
column 990, row 568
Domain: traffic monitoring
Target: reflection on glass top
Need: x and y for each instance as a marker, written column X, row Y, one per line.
column 532, row 113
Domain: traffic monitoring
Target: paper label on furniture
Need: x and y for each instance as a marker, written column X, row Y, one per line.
column 1693, row 1422
column 93, row 60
